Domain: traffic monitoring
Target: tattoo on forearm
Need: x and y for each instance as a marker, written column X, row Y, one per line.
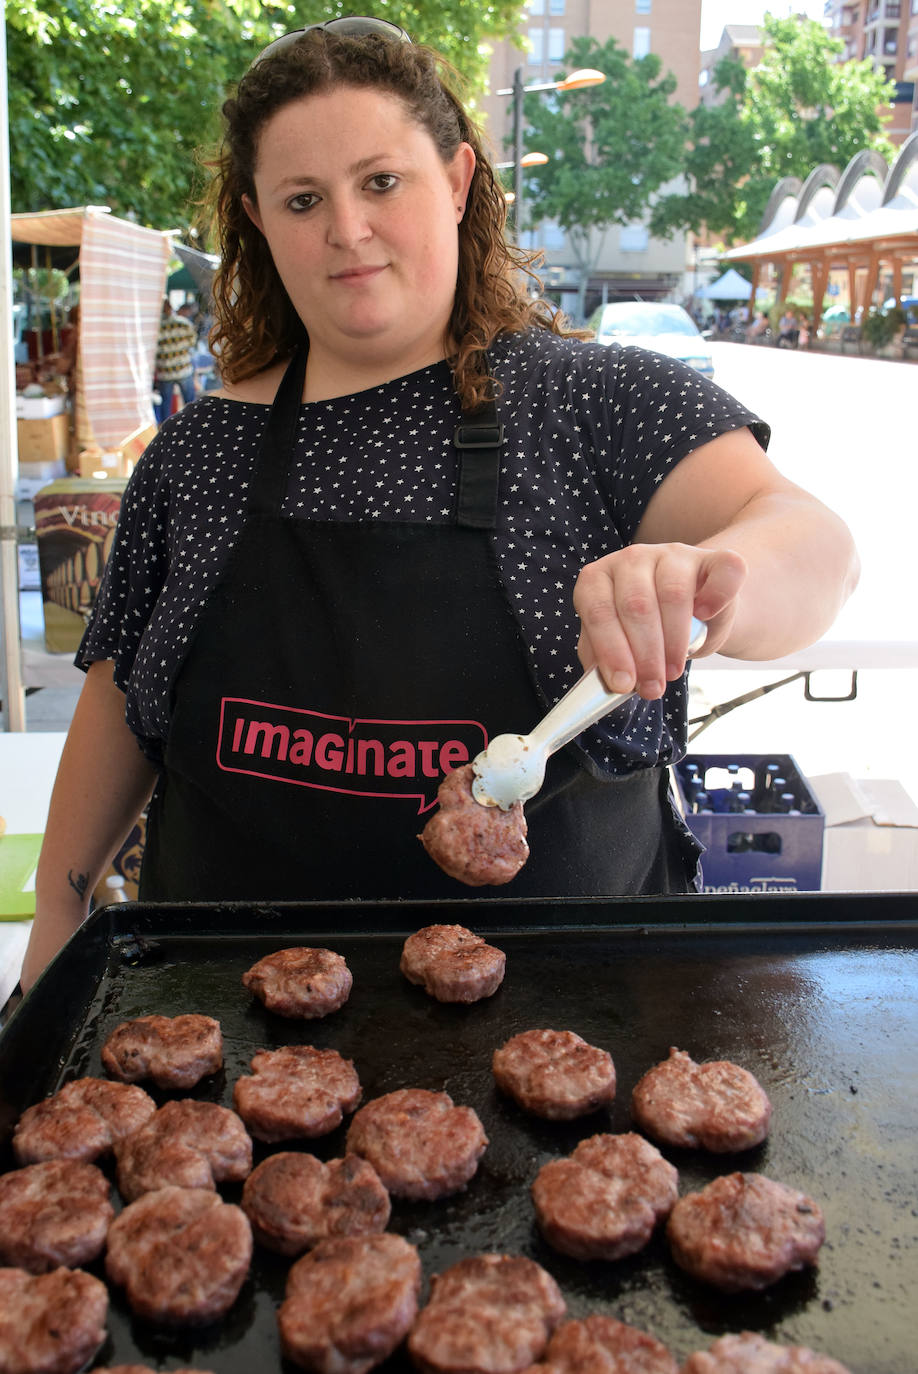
column 79, row 883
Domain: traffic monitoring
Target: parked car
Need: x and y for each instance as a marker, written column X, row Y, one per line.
column 659, row 326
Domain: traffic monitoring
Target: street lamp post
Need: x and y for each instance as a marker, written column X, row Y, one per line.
column 584, row 76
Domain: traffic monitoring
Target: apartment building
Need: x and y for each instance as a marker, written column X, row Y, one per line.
column 886, row 31
column 740, row 41
column 631, row 263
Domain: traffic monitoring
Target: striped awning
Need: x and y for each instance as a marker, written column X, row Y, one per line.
column 122, row 280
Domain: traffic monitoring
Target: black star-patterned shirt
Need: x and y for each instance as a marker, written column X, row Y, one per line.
column 590, row 432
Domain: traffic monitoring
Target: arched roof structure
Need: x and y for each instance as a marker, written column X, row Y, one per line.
column 854, row 221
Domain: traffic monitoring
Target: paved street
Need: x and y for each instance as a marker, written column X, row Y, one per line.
column 845, row 428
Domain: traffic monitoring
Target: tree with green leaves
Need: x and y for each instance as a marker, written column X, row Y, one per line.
column 112, row 102
column 610, row 147
column 798, row 109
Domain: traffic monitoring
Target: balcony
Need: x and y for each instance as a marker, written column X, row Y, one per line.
column 880, row 13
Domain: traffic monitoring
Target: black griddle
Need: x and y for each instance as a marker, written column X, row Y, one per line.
column 816, row 994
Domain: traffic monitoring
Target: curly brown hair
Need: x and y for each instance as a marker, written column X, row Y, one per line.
column 255, row 322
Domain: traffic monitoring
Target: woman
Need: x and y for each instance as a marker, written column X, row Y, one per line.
column 336, row 578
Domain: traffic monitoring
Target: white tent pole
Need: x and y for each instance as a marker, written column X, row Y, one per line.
column 11, row 688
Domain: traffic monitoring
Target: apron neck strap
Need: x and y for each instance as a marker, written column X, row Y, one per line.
column 478, row 439
column 272, row 467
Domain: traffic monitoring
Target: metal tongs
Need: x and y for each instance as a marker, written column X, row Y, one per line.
column 512, row 767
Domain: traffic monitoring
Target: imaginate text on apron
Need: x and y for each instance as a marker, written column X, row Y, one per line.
column 338, row 672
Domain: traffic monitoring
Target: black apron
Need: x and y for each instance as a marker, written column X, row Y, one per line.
column 337, row 673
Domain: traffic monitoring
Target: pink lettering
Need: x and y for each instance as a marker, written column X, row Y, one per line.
column 428, row 750
column 301, row 749
column 372, row 751
column 401, row 759
column 453, row 754
column 269, row 735
column 330, row 752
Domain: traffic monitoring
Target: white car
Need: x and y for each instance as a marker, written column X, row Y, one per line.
column 659, row 326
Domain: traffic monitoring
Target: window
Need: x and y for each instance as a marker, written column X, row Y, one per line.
column 536, row 46
column 555, row 6
column 633, row 238
column 641, row 45
column 642, row 6
column 536, row 6
column 556, row 45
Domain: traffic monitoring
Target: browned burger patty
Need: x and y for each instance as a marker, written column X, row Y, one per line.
column 303, row 983
column 489, row 1314
column 475, row 844
column 602, row 1345
column 554, row 1074
column 751, row 1354
column 349, row 1303
column 50, row 1323
column 296, row 1091
column 604, row 1200
column 714, row 1106
column 452, row 964
column 419, row 1142
column 294, row 1200
column 81, row 1121
column 181, row 1255
column 174, row 1051
column 53, row 1214
column 187, row 1143
column 744, row 1231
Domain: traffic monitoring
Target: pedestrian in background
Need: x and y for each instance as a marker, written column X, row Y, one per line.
column 174, row 365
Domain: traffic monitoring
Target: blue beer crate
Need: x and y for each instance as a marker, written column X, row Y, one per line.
column 761, row 826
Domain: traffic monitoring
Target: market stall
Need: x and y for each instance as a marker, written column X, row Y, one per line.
column 108, row 376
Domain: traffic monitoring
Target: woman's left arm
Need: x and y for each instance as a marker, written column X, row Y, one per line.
column 730, row 540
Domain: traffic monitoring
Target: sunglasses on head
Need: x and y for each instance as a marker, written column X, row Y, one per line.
column 351, row 26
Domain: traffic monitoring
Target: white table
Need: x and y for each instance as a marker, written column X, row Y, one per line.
column 28, row 767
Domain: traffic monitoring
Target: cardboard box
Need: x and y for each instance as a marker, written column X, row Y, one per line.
column 871, row 838
column 118, row 462
column 33, row 476
column 39, row 407
column 75, row 521
column 42, row 441
column 758, row 847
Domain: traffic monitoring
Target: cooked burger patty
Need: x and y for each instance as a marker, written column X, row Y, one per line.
column 303, row 983
column 452, row 964
column 419, row 1142
column 489, row 1314
column 296, row 1091
column 50, row 1323
column 349, row 1303
column 554, row 1074
column 186, row 1143
column 602, row 1345
column 751, row 1354
column 605, row 1199
column 473, row 843
column 181, row 1255
column 53, row 1214
column 81, row 1121
column 174, row 1051
column 714, row 1106
column 294, row 1200
column 744, row 1231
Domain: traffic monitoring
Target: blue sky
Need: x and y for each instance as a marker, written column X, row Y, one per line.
column 716, row 14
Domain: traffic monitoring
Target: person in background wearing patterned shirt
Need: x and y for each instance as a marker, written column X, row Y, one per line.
column 419, row 506
column 174, row 360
